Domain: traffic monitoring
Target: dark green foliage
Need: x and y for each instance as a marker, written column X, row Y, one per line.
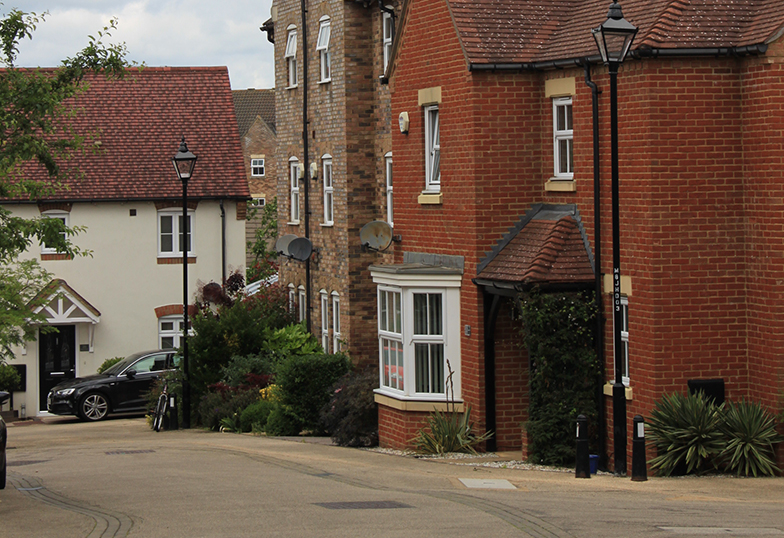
column 686, row 431
column 351, row 415
column 9, row 378
column 282, row 422
column 239, row 330
column 236, row 373
column 449, row 432
column 304, row 382
column 558, row 331
column 220, row 404
column 750, row 432
column 262, row 247
column 254, row 417
column 108, row 362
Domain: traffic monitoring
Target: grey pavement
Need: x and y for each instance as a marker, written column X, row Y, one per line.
column 119, row 478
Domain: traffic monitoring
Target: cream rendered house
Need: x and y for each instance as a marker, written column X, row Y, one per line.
column 127, row 296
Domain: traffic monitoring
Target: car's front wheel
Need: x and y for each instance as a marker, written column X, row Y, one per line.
column 94, row 406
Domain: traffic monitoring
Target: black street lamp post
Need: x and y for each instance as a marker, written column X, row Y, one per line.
column 614, row 39
column 184, row 162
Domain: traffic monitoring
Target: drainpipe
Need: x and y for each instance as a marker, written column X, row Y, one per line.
column 223, row 242
column 305, row 150
column 597, row 224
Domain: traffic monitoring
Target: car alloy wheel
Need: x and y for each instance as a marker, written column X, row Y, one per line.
column 94, row 406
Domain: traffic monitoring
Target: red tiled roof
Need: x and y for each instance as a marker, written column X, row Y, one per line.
column 523, row 31
column 140, row 120
column 547, row 247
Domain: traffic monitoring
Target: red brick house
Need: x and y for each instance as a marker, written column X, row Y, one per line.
column 494, row 191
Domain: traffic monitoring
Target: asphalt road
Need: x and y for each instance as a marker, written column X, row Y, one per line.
column 119, row 478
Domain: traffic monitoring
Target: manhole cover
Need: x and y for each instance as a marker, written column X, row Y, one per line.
column 362, row 505
column 122, row 452
column 487, row 483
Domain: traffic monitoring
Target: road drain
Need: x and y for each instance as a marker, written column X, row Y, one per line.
column 363, row 505
column 122, row 452
column 20, row 463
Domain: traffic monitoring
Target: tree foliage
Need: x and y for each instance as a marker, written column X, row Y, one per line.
column 35, row 134
column 558, row 330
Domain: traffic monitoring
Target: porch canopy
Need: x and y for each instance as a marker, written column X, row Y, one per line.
column 62, row 305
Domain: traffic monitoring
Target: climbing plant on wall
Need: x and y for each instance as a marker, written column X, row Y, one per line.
column 558, row 330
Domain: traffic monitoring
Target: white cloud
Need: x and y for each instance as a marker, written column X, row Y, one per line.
column 160, row 32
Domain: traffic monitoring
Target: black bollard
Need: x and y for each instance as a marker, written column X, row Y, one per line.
column 583, row 463
column 172, row 421
column 639, row 463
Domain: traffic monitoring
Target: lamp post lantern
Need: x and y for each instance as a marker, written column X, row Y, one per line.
column 614, row 39
column 184, row 161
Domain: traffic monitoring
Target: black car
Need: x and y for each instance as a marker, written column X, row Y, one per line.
column 3, row 438
column 122, row 388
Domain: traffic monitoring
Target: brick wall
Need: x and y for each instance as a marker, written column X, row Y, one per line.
column 260, row 140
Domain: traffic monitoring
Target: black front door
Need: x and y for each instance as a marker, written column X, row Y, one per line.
column 57, row 357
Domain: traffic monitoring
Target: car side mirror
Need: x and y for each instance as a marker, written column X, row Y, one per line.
column 130, row 373
column 4, row 396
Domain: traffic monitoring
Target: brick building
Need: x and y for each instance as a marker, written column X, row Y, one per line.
column 328, row 191
column 255, row 111
column 495, row 167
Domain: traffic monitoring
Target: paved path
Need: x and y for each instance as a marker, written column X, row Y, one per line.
column 118, row 478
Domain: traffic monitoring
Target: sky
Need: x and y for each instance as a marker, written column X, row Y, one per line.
column 158, row 33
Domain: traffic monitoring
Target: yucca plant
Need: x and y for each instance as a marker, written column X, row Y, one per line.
column 750, row 431
column 686, row 430
column 449, row 432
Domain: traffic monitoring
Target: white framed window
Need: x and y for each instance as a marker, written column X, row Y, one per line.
column 170, row 329
column 625, row 340
column 290, row 56
column 388, row 28
column 258, row 202
column 294, row 173
column 419, row 330
column 322, row 47
column 336, row 336
column 62, row 216
column 329, row 191
column 175, row 233
column 257, row 167
column 388, row 174
column 432, row 149
column 292, row 297
column 563, row 136
column 324, row 320
column 302, row 302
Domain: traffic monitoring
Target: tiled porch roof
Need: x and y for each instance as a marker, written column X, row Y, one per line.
column 548, row 246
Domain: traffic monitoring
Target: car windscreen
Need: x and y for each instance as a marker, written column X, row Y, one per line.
column 115, row 369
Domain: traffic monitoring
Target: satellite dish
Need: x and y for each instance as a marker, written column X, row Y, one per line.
column 300, row 248
column 376, row 235
column 282, row 244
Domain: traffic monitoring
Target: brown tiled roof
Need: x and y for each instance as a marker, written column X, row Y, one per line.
column 140, row 120
column 548, row 246
column 251, row 104
column 523, row 31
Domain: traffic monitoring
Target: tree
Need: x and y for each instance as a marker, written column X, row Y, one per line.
column 34, row 132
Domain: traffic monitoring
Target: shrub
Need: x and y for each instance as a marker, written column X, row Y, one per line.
column 9, row 378
column 249, row 370
column 282, row 421
column 686, row 431
column 255, row 415
column 449, row 432
column 351, row 415
column 223, row 402
column 107, row 363
column 558, row 332
column 304, row 383
column 750, row 432
column 287, row 341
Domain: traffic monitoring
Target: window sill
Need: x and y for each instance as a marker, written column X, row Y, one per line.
column 327, row 225
column 608, row 390
column 431, row 198
column 560, row 185
column 293, row 223
column 175, row 261
column 417, row 405
column 327, row 81
column 294, row 87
